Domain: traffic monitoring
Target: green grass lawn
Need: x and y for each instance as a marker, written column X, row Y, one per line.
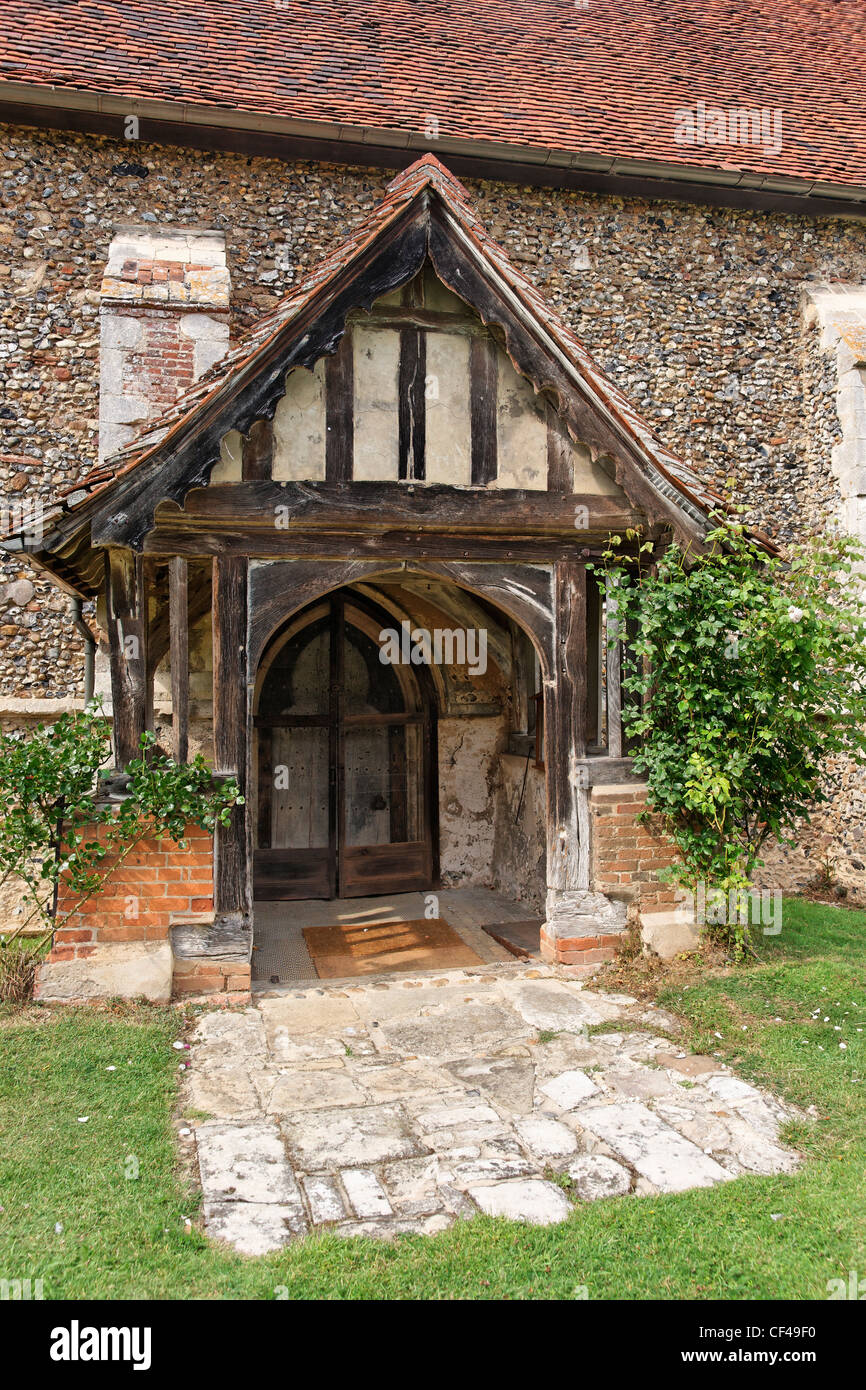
column 780, row 1022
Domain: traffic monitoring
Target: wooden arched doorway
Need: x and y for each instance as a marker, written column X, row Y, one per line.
column 345, row 760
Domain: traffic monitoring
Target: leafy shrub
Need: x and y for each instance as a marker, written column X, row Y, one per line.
column 57, row 826
column 744, row 674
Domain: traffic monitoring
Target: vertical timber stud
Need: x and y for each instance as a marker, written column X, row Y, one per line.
column 564, row 735
column 128, row 656
column 594, row 662
column 339, row 411
column 412, row 418
column 614, row 675
column 560, row 471
column 231, row 868
column 145, row 570
column 258, row 451
column 178, row 624
column 482, row 410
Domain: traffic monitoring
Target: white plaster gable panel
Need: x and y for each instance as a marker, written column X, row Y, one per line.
column 376, row 372
column 590, row 477
column 448, row 447
column 521, row 430
column 230, row 466
column 299, row 426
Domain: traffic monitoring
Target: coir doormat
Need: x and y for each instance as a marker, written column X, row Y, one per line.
column 373, row 948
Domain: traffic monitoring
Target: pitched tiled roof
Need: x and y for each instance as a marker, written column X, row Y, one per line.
column 426, row 174
column 604, row 77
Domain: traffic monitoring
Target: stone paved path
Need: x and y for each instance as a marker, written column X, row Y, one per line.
column 404, row 1103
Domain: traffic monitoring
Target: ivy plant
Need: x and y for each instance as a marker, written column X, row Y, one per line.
column 744, row 676
column 60, row 830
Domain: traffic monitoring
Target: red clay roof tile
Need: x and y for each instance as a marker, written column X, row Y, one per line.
column 604, row 77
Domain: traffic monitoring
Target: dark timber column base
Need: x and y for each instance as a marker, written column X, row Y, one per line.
column 232, row 894
column 124, row 583
column 581, row 927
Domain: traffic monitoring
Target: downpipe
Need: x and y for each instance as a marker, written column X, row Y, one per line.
column 89, row 640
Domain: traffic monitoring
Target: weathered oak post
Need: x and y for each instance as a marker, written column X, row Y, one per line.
column 231, row 866
column 125, row 600
column 178, row 608
column 565, row 730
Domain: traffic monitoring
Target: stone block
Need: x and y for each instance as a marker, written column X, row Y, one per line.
column 531, row 1200
column 124, row 969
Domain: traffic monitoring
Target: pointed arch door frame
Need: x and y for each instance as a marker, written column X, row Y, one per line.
column 342, row 864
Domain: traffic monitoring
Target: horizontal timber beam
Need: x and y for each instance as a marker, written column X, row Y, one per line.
column 265, row 505
column 388, row 545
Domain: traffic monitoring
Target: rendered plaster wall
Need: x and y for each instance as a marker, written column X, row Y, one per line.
column 519, row 866
column 468, row 768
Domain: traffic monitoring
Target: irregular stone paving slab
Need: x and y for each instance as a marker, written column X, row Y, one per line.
column 390, row 1229
column 595, row 1176
column 285, row 1048
column 661, row 1155
column 328, row 1139
column 323, row 1198
column 309, row 1015
column 365, row 1193
column 474, row 1171
column 546, row 1138
column 753, row 1153
column 237, row 1036
column 628, row 1078
column 244, row 1163
column 709, row 1131
column 398, row 1105
column 455, row 1116
column 762, row 1115
column 392, row 1082
column 464, row 1139
column 731, row 1089
column 413, row 1185
column 398, row 1002
column 553, row 1005
column 532, row 1200
column 225, row 1094
column 690, row 1065
column 569, row 1088
column 254, row 1228
column 454, row 1031
column 312, row 1090
column 566, row 1052
column 508, row 1081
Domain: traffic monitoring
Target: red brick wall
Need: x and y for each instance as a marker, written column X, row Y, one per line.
column 626, row 855
column 156, row 885
column 164, row 365
column 579, row 950
column 194, row 977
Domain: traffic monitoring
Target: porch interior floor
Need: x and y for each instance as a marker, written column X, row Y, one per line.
column 279, row 949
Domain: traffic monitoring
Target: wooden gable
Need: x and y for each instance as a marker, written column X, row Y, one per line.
column 415, row 380
column 420, row 391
